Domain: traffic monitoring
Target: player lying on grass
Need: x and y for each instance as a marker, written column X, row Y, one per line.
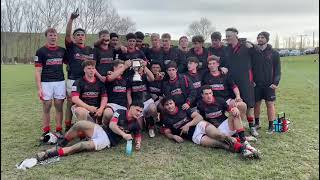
column 122, row 126
column 180, row 125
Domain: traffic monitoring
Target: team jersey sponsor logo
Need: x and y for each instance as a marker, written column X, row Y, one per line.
column 166, row 62
column 106, row 60
column 119, row 89
column 197, row 84
column 154, row 89
column 176, row 92
column 139, row 88
column 83, row 57
column 36, row 58
column 54, row 61
column 217, row 87
column 213, row 114
column 74, row 88
column 90, row 94
column 180, row 123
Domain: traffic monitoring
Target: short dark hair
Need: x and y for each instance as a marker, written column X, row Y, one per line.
column 117, row 62
column 155, row 63
column 112, row 35
column 165, row 99
column 131, row 36
column 171, row 64
column 139, row 35
column 182, row 37
column 86, row 63
column 77, row 30
column 198, row 38
column 166, row 35
column 210, row 58
column 137, row 104
column 103, row 32
column 205, row 87
column 193, row 59
column 50, row 30
column 216, row 35
column 232, row 30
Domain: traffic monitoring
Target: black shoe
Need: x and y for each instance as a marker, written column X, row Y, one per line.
column 67, row 128
column 59, row 134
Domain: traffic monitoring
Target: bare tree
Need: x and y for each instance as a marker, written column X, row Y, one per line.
column 14, row 14
column 51, row 12
column 202, row 27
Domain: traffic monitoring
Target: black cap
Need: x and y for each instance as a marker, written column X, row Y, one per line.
column 265, row 34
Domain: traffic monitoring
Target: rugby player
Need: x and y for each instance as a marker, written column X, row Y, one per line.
column 89, row 95
column 76, row 53
column 199, row 51
column 49, row 78
column 180, row 125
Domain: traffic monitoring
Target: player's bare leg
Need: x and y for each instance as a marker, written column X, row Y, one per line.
column 58, row 104
column 68, row 114
column 46, row 106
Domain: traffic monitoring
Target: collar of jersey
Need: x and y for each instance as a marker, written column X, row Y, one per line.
column 94, row 79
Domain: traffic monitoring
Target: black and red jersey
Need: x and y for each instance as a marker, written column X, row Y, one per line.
column 134, row 54
column 155, row 88
column 177, row 120
column 181, row 90
column 75, row 56
column 217, row 51
column 51, row 60
column 139, row 90
column 104, row 58
column 173, row 54
column 266, row 67
column 202, row 57
column 214, row 112
column 89, row 92
column 117, row 91
column 155, row 55
column 222, row 85
column 128, row 126
column 238, row 60
column 195, row 79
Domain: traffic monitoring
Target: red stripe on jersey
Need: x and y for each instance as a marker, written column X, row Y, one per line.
column 138, row 135
column 75, row 94
column 250, row 75
column 38, row 65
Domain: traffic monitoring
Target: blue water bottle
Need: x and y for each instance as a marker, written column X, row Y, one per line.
column 129, row 147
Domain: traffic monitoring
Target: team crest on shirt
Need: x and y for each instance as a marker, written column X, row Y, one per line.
column 35, row 58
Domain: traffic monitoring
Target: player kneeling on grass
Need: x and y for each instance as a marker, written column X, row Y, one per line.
column 213, row 110
column 98, row 140
column 88, row 94
column 180, row 124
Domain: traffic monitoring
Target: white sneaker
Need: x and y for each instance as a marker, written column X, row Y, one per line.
column 151, row 133
column 256, row 153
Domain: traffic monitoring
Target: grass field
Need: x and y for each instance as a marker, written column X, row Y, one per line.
column 292, row 155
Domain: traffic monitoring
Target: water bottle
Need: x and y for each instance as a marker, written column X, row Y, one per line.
column 129, row 147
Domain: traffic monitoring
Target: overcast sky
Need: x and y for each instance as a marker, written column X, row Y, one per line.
column 285, row 17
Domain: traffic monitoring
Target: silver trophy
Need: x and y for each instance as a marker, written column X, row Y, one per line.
column 136, row 65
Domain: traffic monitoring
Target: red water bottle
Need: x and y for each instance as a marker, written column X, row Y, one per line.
column 284, row 125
